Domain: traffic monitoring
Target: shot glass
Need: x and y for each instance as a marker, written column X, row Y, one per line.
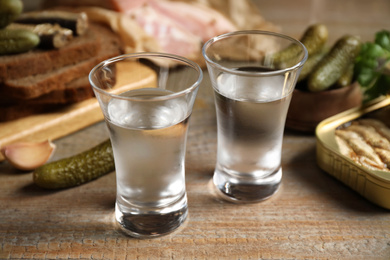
column 253, row 74
column 147, row 100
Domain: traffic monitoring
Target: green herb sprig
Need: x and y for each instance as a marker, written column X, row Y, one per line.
column 372, row 66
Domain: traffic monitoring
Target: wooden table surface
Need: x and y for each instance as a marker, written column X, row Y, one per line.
column 313, row 216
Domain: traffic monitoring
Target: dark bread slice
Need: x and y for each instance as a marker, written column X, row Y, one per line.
column 43, row 61
column 35, row 86
column 11, row 112
column 75, row 91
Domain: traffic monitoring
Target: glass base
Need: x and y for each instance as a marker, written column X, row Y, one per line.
column 246, row 190
column 152, row 223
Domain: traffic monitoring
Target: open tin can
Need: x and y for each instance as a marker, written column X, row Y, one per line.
column 374, row 185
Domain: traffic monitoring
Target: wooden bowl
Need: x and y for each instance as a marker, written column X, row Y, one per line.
column 307, row 109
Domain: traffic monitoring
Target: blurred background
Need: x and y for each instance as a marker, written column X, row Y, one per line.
column 356, row 17
column 341, row 17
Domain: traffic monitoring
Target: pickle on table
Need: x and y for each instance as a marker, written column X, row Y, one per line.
column 334, row 64
column 314, row 39
column 9, row 11
column 17, row 41
column 76, row 170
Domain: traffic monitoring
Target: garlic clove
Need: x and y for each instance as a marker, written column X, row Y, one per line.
column 28, row 155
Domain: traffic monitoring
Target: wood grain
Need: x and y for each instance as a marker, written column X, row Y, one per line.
column 313, row 216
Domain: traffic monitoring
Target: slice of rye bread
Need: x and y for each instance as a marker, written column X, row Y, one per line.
column 43, row 61
column 34, row 86
column 75, row 91
column 12, row 112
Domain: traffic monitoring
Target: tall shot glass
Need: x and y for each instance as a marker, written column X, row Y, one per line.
column 147, row 100
column 253, row 76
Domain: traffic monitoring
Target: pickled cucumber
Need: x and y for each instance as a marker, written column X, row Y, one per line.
column 347, row 77
column 9, row 11
column 17, row 41
column 334, row 64
column 310, row 64
column 314, row 39
column 76, row 170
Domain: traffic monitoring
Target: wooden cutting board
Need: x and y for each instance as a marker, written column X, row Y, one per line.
column 55, row 124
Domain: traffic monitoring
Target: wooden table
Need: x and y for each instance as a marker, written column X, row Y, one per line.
column 313, row 216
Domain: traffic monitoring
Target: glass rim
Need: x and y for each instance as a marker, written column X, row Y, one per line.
column 169, row 56
column 254, row 32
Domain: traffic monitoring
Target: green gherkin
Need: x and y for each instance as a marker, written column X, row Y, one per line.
column 76, row 170
column 9, row 11
column 347, row 77
column 334, row 64
column 310, row 64
column 17, row 41
column 314, row 39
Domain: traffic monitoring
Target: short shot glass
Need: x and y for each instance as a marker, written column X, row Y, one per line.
column 147, row 100
column 253, row 77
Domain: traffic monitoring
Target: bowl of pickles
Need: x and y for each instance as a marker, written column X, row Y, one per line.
column 338, row 77
column 326, row 84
